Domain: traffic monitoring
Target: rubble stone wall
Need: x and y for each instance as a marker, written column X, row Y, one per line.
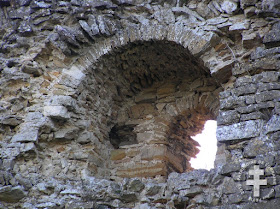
column 99, row 100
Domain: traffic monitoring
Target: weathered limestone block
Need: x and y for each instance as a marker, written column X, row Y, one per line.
column 268, row 86
column 229, row 186
column 142, row 110
column 230, row 167
column 252, row 116
column 246, row 3
column 273, row 124
column 231, row 102
column 229, row 6
column 28, row 147
column 246, row 89
column 271, row 37
column 267, row 96
column 26, row 133
column 228, row 117
column 135, row 185
column 187, row 11
column 249, row 39
column 262, row 52
column 67, row 35
column 11, row 194
column 11, row 120
column 240, row 26
column 118, row 154
column 243, row 130
column 266, row 77
column 152, row 189
column 147, row 169
column 255, row 107
column 165, row 90
column 72, row 77
column 222, row 71
column 203, row 42
column 256, row 147
column 145, row 97
column 32, row 68
column 62, row 100
column 152, row 152
column 56, row 112
column 191, row 192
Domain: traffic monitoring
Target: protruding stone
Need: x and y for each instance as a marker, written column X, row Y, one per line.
column 72, row 77
column 61, row 100
column 11, row 120
column 229, row 6
column 11, row 194
column 56, row 112
column 239, row 26
column 243, row 130
column 26, row 134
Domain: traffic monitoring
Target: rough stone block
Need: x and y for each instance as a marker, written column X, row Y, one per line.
column 145, row 97
column 243, row 130
column 262, row 52
column 246, row 89
column 26, row 134
column 230, row 167
column 56, row 112
column 141, row 110
column 118, row 154
column 268, row 86
column 229, row 186
column 202, row 43
column 228, row 117
column 145, row 136
column 255, row 147
column 61, row 100
column 143, row 169
column 11, row 120
column 245, row 3
column 251, row 116
column 11, row 194
column 249, row 40
column 229, row 6
column 72, row 77
column 191, row 192
column 273, row 124
column 231, row 102
column 271, row 37
column 239, row 26
column 66, row 133
column 267, row 96
column 222, row 71
column 153, row 152
column 266, row 77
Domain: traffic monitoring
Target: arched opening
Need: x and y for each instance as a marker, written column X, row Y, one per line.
column 146, row 100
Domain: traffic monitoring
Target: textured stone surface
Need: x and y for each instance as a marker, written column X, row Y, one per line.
column 243, row 130
column 99, row 90
column 56, row 111
column 11, row 194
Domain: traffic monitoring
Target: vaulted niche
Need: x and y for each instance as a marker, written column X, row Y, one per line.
column 156, row 96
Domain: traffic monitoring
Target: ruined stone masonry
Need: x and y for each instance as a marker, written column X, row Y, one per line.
column 99, row 101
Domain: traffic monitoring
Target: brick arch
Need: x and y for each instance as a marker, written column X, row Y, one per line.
column 198, row 41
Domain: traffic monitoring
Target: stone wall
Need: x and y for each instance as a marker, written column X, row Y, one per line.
column 93, row 92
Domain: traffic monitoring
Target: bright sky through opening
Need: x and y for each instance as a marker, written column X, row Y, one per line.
column 208, row 147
